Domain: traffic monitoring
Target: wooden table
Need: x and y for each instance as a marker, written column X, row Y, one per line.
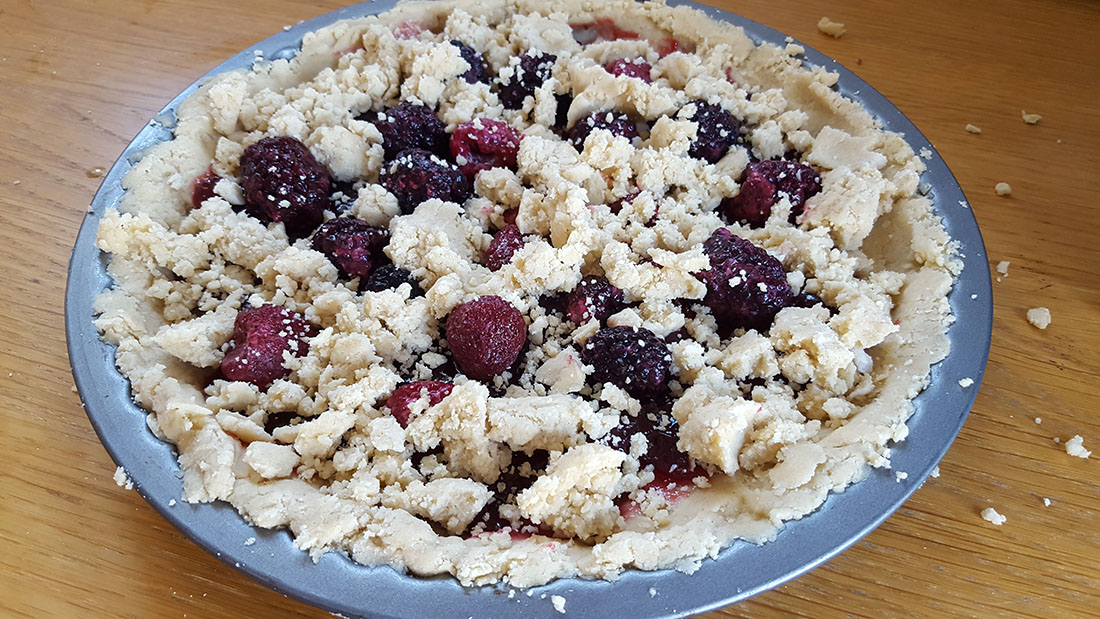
column 79, row 78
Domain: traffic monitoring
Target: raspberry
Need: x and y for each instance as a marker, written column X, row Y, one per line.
column 617, row 124
column 717, row 131
column 202, row 188
column 630, row 68
column 389, row 277
column 761, row 184
column 410, row 125
column 505, row 243
column 631, row 358
column 667, row 46
column 533, row 69
column 260, row 337
column 478, row 72
column 483, row 144
column 594, row 297
column 351, row 244
column 408, row 393
column 416, row 175
column 283, row 182
column 408, row 29
column 486, row 336
column 746, row 286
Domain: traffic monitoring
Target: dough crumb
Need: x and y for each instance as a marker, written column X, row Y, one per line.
column 1039, row 316
column 558, row 602
column 900, row 476
column 171, row 502
column 831, row 28
column 966, row 382
column 991, row 515
column 1046, row 502
column 1038, row 420
column 16, row 182
column 973, row 128
column 250, row 541
column 926, row 153
column 123, row 480
column 936, row 471
column 1076, row 447
column 1030, row 119
column 1003, row 189
column 1002, row 267
column 652, row 592
column 964, row 204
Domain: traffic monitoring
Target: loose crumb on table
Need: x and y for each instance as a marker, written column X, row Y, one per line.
column 1003, row 189
column 1076, row 447
column 1030, row 119
column 1039, row 317
column 831, row 28
column 972, row 128
column 991, row 515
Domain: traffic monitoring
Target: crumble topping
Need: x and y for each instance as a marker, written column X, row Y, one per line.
column 1039, row 317
column 517, row 295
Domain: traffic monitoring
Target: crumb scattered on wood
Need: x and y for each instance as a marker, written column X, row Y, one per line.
column 1003, row 189
column 1002, row 267
column 831, row 28
column 991, row 515
column 122, row 479
column 1039, row 317
column 972, row 128
column 1076, row 447
column 1030, row 119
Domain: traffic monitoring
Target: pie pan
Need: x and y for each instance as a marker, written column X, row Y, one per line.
column 339, row 585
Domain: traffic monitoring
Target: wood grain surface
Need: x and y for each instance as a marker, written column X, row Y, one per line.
column 78, row 78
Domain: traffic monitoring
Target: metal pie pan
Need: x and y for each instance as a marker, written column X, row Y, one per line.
column 339, row 585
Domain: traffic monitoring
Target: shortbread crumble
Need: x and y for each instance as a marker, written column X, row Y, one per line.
column 516, row 291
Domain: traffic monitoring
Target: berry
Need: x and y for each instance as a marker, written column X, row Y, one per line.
column 746, row 286
column 561, row 113
column 416, row 175
column 351, row 244
column 505, row 243
column 408, row 29
column 533, row 69
column 594, row 297
column 486, row 336
column 478, row 72
column 601, row 28
column 520, row 473
column 667, row 46
column 202, row 188
column 483, row 144
column 630, row 68
column 618, row 205
column 661, row 431
column 717, row 131
column 631, row 358
column 761, row 184
column 283, row 182
column 617, row 124
column 260, row 337
column 408, row 393
column 411, row 125
column 389, row 277
column 278, row 420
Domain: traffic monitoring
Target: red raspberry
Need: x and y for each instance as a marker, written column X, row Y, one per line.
column 761, row 184
column 634, row 359
column 416, row 175
column 506, row 242
column 533, row 69
column 351, row 244
column 408, row 393
column 617, row 124
column 260, row 337
column 717, row 131
column 483, row 144
column 486, row 336
column 594, row 297
column 283, row 182
column 202, row 188
column 746, row 286
column 630, row 68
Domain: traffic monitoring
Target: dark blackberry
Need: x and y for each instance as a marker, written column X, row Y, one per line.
column 484, row 143
column 411, row 125
column 632, row 358
column 717, row 131
column 533, row 69
column 416, row 175
column 617, row 124
column 505, row 243
column 761, row 184
column 594, row 297
column 352, row 245
column 389, row 277
column 478, row 71
column 283, row 182
column 746, row 286
column 638, row 68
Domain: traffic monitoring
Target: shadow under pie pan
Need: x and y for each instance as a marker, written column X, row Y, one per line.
column 339, row 585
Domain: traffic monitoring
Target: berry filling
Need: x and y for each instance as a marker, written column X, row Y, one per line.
column 617, row 124
column 407, row 394
column 594, row 297
column 631, row 358
column 533, row 69
column 416, row 175
column 478, row 72
column 600, row 29
column 746, row 286
column 505, row 243
column 389, row 277
column 260, row 337
column 763, row 182
column 638, row 68
column 202, row 188
column 485, row 336
column 717, row 131
column 352, row 245
column 284, row 183
column 482, row 144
